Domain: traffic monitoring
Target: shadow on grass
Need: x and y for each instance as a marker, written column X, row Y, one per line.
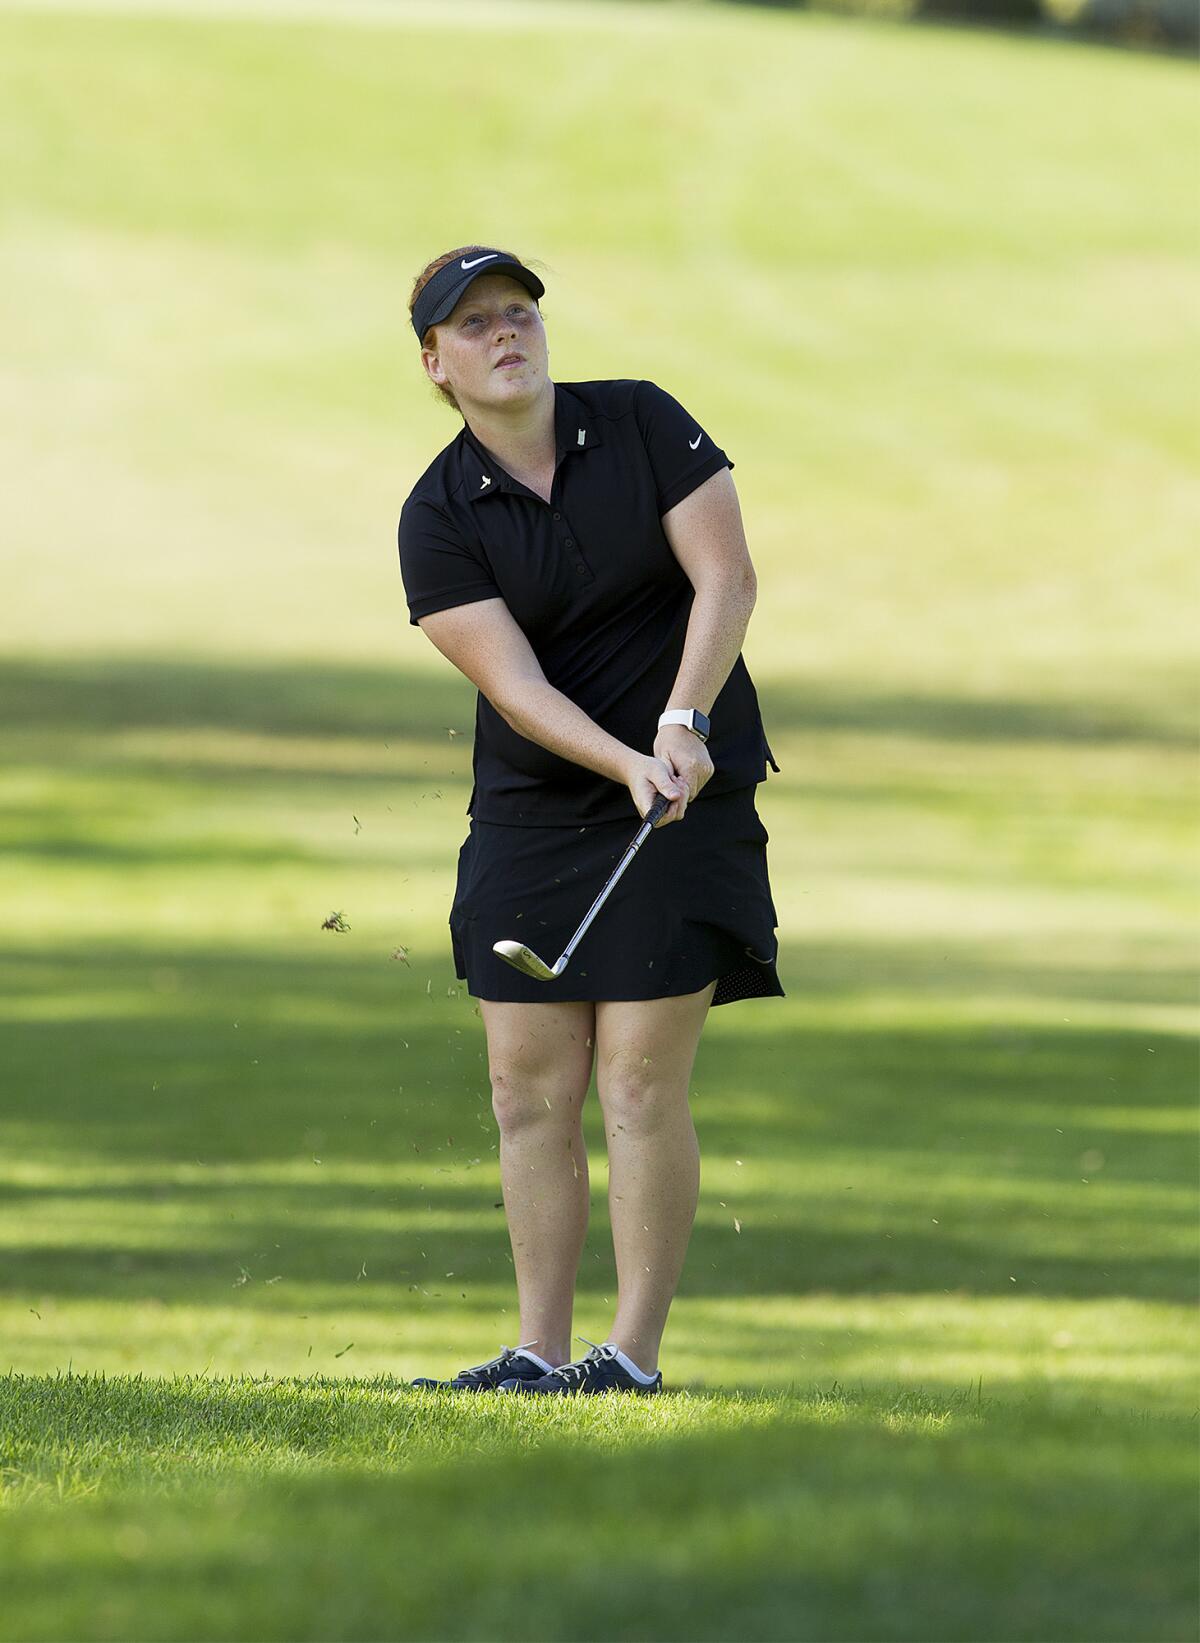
column 898, row 1158
column 109, row 693
column 1170, row 32
column 355, row 1511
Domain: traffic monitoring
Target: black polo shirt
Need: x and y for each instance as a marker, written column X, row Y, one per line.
column 591, row 580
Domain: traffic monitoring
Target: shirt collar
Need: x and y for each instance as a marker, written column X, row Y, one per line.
column 574, row 429
column 574, row 432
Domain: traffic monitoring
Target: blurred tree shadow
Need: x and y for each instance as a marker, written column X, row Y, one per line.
column 344, row 700
column 266, row 1064
column 1171, row 26
column 141, row 1057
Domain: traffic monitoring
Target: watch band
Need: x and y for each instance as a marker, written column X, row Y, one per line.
column 689, row 716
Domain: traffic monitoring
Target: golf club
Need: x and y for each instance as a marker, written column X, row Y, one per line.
column 526, row 960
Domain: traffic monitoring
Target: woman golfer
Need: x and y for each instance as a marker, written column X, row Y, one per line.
column 577, row 551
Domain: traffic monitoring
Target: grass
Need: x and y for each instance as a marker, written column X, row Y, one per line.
column 321, row 1505
column 932, row 1363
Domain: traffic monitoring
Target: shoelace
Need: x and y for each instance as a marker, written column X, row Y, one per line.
column 574, row 1374
column 506, row 1352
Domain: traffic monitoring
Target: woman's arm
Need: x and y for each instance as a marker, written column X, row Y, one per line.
column 484, row 641
column 705, row 534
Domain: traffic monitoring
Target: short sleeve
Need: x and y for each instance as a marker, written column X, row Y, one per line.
column 439, row 570
column 682, row 455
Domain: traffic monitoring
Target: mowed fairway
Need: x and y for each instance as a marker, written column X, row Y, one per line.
column 932, row 1364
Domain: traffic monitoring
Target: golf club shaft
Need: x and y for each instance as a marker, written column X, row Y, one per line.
column 658, row 808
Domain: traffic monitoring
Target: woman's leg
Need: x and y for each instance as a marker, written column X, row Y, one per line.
column 645, row 1051
column 540, row 1061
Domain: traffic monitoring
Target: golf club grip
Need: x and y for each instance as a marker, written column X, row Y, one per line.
column 659, row 808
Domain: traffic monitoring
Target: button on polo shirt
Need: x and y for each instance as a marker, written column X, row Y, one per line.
column 591, row 580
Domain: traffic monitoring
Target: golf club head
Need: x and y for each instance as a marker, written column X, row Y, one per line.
column 524, row 959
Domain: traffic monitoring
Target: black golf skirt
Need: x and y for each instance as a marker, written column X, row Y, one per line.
column 693, row 906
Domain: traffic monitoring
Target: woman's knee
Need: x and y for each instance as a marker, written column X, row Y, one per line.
column 645, row 1052
column 539, row 1061
column 640, row 1104
column 522, row 1100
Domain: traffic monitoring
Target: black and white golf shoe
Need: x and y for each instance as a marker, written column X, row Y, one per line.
column 596, row 1372
column 513, row 1365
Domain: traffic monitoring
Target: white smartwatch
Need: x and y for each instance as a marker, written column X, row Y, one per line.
column 689, row 716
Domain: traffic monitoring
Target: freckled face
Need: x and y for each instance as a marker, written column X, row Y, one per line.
column 491, row 350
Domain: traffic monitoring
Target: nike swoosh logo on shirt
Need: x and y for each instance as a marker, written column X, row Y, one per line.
column 692, row 443
column 491, row 257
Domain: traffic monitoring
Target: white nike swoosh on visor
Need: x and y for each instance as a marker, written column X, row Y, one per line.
column 692, row 443
column 491, row 257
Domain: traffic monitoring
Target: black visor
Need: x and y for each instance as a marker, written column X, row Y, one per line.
column 440, row 295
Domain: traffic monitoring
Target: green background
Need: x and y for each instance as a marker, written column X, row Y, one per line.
column 933, row 1351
